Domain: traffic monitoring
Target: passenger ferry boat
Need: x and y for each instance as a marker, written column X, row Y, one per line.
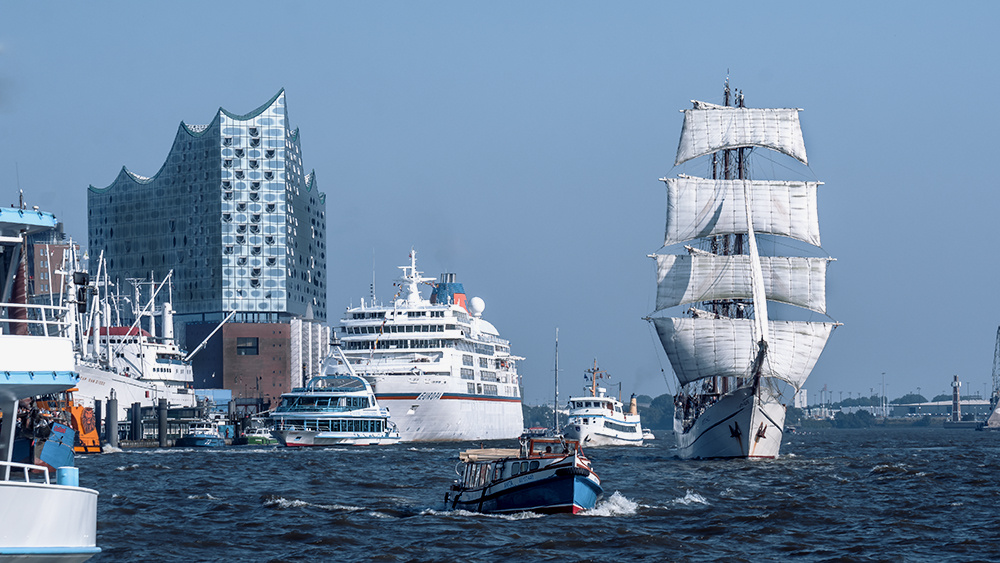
column 598, row 420
column 547, row 475
column 440, row 368
column 39, row 520
column 333, row 409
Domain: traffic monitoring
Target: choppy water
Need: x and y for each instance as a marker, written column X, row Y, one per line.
column 837, row 495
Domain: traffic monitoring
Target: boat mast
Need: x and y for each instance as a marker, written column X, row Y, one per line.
column 555, row 406
column 731, row 166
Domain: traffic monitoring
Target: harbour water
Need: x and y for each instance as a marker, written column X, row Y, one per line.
column 882, row 494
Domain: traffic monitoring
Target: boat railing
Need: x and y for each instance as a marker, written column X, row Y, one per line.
column 26, row 468
column 40, row 320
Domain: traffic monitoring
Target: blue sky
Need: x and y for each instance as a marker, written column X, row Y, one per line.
column 519, row 144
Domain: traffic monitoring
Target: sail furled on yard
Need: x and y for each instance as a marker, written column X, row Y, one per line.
column 700, row 207
column 710, row 128
column 707, row 277
column 700, row 348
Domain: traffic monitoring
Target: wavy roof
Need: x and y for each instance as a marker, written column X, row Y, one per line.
column 194, row 131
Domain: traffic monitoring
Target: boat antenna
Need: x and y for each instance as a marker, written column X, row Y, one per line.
column 555, row 406
column 373, row 276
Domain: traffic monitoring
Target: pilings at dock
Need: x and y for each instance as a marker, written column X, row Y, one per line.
column 161, row 417
column 111, row 433
column 135, row 415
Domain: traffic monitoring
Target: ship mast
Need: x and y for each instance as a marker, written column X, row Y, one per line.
column 731, row 166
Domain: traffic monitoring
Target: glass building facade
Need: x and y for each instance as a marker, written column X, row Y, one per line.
column 232, row 213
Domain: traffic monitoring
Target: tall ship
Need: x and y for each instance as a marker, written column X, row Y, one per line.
column 440, row 368
column 719, row 297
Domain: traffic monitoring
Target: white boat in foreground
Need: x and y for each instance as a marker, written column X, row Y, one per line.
column 333, row 409
column 599, row 420
column 39, row 520
column 737, row 368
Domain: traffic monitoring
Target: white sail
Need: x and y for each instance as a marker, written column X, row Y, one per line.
column 699, row 207
column 706, row 277
column 704, row 347
column 709, row 128
column 760, row 324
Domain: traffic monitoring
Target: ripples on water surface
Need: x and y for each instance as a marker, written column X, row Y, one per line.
column 849, row 495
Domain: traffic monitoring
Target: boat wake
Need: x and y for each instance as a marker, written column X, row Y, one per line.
column 690, row 498
column 271, row 501
column 466, row 513
column 615, row 505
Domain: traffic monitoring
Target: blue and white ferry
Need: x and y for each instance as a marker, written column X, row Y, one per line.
column 600, row 420
column 333, row 409
column 547, row 475
column 39, row 520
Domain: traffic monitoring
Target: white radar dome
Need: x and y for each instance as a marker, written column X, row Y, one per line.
column 477, row 306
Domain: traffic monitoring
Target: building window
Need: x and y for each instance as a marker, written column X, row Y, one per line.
column 246, row 346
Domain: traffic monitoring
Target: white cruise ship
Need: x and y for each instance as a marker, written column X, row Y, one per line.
column 441, row 369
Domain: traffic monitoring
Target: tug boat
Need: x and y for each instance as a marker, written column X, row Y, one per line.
column 548, row 475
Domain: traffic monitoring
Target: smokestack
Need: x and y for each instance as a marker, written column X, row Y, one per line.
column 956, row 403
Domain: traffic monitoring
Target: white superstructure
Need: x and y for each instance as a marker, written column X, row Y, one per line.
column 441, row 369
column 735, row 363
column 598, row 419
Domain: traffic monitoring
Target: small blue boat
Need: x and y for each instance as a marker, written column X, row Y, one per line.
column 547, row 475
column 202, row 435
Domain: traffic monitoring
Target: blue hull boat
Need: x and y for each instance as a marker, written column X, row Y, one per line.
column 201, row 436
column 546, row 475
